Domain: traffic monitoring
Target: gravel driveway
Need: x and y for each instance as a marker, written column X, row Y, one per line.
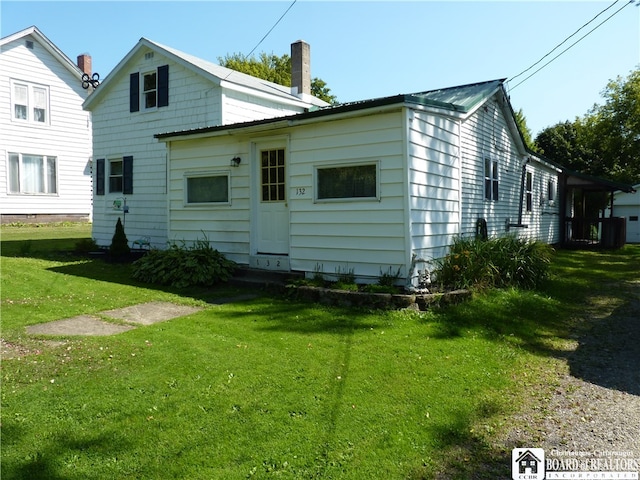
column 595, row 407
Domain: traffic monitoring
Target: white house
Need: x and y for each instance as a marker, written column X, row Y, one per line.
column 45, row 135
column 155, row 89
column 368, row 187
column 627, row 205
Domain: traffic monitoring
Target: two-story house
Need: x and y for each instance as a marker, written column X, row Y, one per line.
column 45, row 135
column 155, row 89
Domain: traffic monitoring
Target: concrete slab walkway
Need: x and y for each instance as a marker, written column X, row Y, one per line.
column 136, row 315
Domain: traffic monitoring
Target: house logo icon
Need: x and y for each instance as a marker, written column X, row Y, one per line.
column 527, row 464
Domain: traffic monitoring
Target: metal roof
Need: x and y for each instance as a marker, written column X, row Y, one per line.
column 461, row 99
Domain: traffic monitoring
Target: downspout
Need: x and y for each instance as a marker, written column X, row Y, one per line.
column 508, row 224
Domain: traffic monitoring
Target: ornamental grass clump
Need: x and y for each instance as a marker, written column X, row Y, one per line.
column 494, row 263
column 184, row 266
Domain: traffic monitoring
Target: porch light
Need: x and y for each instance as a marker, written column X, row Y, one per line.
column 235, row 161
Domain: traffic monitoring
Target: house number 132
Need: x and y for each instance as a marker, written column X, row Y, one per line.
column 300, row 191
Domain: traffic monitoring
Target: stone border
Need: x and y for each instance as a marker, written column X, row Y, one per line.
column 346, row 298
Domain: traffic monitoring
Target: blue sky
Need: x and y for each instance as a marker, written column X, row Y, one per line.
column 370, row 49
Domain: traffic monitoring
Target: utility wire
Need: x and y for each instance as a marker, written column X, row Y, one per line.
column 570, row 46
column 271, row 29
column 267, row 34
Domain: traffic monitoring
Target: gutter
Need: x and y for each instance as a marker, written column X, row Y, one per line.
column 508, row 224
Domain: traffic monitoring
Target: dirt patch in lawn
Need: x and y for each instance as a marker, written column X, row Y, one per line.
column 128, row 318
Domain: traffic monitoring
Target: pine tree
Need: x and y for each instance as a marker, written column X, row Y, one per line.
column 119, row 244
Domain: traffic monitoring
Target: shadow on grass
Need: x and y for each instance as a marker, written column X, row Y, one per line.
column 55, row 460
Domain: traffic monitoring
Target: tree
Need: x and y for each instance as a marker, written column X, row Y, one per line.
column 606, row 140
column 521, row 120
column 119, row 248
column 274, row 69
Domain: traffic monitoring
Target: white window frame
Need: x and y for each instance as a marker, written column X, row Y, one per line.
column 110, row 175
column 528, row 191
column 47, row 160
column 31, row 89
column 493, row 177
column 206, row 174
column 317, row 168
column 143, row 92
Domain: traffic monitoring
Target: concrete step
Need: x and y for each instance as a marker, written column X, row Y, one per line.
column 263, row 279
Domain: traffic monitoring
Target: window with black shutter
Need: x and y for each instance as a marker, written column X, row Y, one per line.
column 134, row 92
column 127, row 175
column 100, row 176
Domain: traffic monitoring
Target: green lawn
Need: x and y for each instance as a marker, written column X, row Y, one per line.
column 271, row 388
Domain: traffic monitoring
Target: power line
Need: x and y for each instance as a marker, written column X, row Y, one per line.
column 271, row 29
column 567, row 39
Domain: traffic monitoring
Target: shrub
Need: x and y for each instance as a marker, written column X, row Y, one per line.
column 501, row 262
column 181, row 266
column 86, row 245
column 119, row 247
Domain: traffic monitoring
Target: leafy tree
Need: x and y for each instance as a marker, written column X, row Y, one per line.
column 274, row 69
column 606, row 140
column 616, row 127
column 521, row 120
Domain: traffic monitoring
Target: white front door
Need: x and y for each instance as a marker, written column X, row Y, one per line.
column 273, row 210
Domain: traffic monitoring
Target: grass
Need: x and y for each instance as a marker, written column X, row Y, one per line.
column 271, row 388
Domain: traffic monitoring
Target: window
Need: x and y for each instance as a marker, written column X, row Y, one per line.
column 206, row 188
column 490, row 179
column 32, row 174
column 149, row 90
column 551, row 192
column 30, row 103
column 529, row 191
column 344, row 182
column 115, row 176
column 272, row 175
column 154, row 91
column 117, row 173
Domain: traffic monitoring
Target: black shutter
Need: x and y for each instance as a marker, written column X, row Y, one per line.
column 163, row 86
column 100, row 176
column 134, row 92
column 127, row 175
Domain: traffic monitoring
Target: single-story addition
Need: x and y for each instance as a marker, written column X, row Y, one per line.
column 369, row 187
column 627, row 205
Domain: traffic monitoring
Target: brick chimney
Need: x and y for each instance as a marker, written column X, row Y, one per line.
column 84, row 63
column 300, row 69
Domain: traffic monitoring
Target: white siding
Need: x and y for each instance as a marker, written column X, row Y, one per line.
column 485, row 135
column 66, row 135
column 433, row 183
column 225, row 226
column 366, row 236
column 193, row 102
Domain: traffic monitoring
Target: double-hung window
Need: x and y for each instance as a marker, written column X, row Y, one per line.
column 491, row 181
column 115, row 175
column 529, row 191
column 30, row 102
column 149, row 90
column 33, row 174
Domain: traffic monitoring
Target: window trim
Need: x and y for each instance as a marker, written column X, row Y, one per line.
column 528, row 190
column 346, row 164
column 46, row 159
column 31, row 102
column 205, row 174
column 491, row 178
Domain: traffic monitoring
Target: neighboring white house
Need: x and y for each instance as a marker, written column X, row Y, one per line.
column 155, row 89
column 367, row 187
column 45, row 135
column 627, row 204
